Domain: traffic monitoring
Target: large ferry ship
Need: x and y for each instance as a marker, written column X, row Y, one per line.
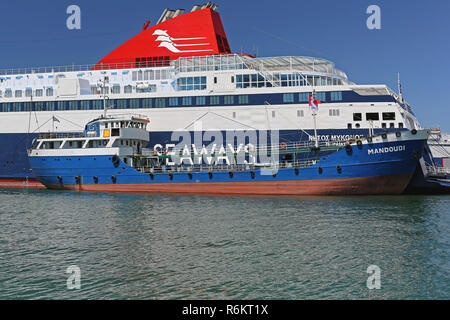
column 183, row 76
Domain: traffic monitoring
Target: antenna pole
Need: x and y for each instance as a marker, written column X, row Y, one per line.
column 400, row 93
column 315, row 121
column 105, row 79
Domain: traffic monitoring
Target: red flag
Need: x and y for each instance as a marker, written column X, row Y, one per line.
column 314, row 104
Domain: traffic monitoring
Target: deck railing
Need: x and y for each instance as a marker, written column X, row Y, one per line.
column 225, row 168
column 438, row 171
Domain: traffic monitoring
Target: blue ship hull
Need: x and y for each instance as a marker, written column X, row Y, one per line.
column 373, row 168
column 14, row 162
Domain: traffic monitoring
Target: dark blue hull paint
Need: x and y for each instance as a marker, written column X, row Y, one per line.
column 359, row 163
column 14, row 162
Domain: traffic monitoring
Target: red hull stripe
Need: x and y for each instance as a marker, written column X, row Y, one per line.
column 18, row 183
column 395, row 184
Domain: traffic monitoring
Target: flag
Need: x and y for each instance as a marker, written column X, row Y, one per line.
column 314, row 103
column 55, row 119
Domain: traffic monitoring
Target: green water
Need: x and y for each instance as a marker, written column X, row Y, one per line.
column 197, row 247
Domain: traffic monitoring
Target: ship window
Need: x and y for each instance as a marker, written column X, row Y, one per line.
column 160, row 103
column 388, row 116
column 215, row 79
column 191, row 83
column 94, row 90
column 173, row 102
column 372, row 116
column 243, row 99
column 300, row 113
column 60, row 105
column 73, row 105
column 104, row 90
column 357, row 117
column 97, row 104
column 39, row 106
column 18, row 93
column 273, row 114
column 234, row 115
column 357, row 125
column 28, row 106
column 304, row 97
column 321, row 96
column 228, row 99
column 392, row 125
column 349, row 125
column 288, row 97
column 146, row 103
column 50, row 105
column 400, row 124
column 84, row 105
column 122, row 103
column 336, row 96
column 187, row 101
column 134, row 103
column 214, row 100
column 28, row 92
column 17, row 106
column 232, row 79
column 128, row 89
column 334, row 112
column 200, row 101
column 115, row 89
column 383, row 125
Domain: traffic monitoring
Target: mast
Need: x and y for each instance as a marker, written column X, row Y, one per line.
column 103, row 86
column 400, row 93
column 315, row 121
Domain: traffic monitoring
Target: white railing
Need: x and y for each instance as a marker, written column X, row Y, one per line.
column 438, row 171
column 83, row 67
column 224, row 167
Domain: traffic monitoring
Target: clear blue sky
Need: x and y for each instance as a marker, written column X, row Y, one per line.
column 414, row 39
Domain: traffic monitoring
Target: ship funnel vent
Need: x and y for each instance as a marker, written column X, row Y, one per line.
column 169, row 14
column 210, row 5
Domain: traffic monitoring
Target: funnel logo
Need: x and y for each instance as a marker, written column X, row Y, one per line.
column 170, row 44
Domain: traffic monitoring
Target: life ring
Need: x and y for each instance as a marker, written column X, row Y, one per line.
column 283, row 145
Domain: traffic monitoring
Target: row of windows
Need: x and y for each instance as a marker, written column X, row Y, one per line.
column 191, row 83
column 375, row 116
column 304, row 97
column 49, row 92
column 120, row 103
column 283, row 80
column 288, row 98
column 150, row 75
column 28, row 93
